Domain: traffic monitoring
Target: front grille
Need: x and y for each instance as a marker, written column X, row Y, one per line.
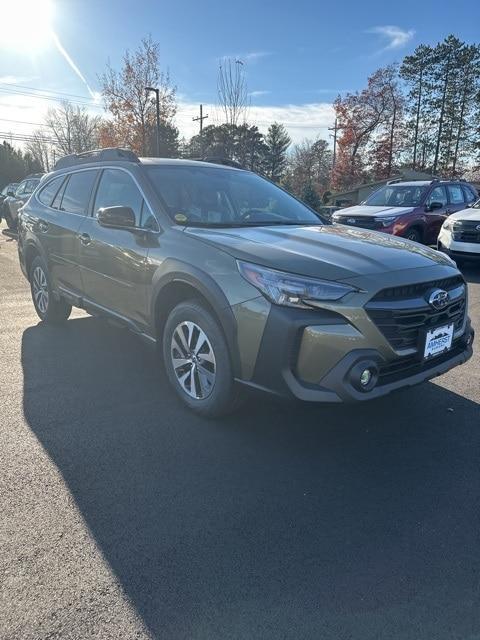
column 468, row 235
column 365, row 222
column 410, row 365
column 417, row 290
column 402, row 313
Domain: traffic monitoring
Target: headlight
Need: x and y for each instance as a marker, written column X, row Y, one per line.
column 290, row 290
column 387, row 220
column 448, row 224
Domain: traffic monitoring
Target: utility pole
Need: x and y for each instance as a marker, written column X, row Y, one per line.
column 157, row 99
column 334, row 129
column 200, row 118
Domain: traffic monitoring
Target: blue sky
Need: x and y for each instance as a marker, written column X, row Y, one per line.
column 298, row 55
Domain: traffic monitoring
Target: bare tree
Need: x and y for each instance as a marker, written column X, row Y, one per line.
column 41, row 150
column 232, row 91
column 72, row 129
column 132, row 108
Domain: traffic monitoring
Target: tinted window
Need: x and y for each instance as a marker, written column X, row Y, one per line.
column 117, row 189
column 455, row 193
column 77, row 192
column 397, row 196
column 49, row 191
column 469, row 195
column 438, row 195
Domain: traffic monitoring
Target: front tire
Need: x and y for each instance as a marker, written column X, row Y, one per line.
column 48, row 308
column 414, row 235
column 197, row 361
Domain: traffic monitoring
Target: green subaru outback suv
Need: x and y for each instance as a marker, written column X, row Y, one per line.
column 239, row 283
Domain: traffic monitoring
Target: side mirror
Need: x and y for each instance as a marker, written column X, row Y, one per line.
column 116, row 217
column 11, row 194
column 435, row 205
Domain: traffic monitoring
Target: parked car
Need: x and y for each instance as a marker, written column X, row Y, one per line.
column 239, row 283
column 413, row 210
column 460, row 234
column 9, row 189
column 14, row 201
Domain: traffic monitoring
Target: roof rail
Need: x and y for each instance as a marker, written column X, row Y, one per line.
column 222, row 160
column 96, row 155
column 396, row 180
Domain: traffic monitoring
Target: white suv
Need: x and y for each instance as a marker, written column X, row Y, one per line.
column 460, row 234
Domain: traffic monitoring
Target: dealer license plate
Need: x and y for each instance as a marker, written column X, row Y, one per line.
column 438, row 340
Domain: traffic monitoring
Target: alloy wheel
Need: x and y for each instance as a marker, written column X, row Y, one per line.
column 193, row 360
column 40, row 289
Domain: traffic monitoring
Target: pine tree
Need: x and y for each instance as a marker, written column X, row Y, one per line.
column 277, row 141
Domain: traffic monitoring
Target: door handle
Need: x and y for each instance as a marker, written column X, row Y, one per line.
column 84, row 239
column 43, row 226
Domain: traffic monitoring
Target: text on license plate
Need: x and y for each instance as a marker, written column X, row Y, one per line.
column 438, row 340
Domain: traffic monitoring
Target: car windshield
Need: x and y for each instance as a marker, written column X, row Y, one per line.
column 217, row 197
column 397, row 196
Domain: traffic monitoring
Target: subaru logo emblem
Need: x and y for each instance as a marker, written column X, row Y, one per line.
column 351, row 220
column 438, row 299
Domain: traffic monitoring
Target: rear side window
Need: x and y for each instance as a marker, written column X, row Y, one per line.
column 49, row 191
column 469, row 195
column 77, row 192
column 455, row 193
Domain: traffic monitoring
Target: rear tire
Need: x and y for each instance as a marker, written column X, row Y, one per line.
column 49, row 309
column 197, row 361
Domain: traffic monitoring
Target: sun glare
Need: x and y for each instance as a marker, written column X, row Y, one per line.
column 26, row 25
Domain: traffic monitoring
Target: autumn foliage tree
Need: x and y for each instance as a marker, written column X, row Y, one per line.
column 132, row 109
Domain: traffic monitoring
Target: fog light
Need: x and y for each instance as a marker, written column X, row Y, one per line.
column 365, row 377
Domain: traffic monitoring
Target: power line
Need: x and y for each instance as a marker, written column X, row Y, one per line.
column 37, row 124
column 60, row 93
column 29, row 94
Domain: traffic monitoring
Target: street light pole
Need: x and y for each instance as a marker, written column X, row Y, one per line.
column 157, row 99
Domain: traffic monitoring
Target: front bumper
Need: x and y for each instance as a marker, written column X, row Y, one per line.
column 321, row 362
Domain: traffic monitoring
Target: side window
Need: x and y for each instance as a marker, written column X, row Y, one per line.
column 30, row 186
column 469, row 195
column 49, row 191
column 117, row 189
column 438, row 194
column 77, row 192
column 455, row 193
column 20, row 189
column 148, row 220
column 57, row 201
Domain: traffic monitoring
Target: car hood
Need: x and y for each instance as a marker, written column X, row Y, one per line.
column 466, row 214
column 327, row 251
column 365, row 210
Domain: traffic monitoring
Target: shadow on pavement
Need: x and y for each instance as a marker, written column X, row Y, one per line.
column 284, row 521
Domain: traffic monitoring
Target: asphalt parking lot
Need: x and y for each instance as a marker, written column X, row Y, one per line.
column 125, row 516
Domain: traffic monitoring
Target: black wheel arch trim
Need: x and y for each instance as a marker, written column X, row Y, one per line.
column 173, row 270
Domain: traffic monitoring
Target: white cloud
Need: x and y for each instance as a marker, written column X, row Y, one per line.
column 301, row 120
column 396, row 37
column 255, row 94
column 248, row 56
